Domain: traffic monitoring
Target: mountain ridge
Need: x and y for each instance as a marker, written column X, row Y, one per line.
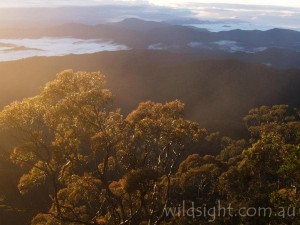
column 217, row 93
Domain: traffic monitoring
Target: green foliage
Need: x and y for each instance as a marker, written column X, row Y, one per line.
column 97, row 166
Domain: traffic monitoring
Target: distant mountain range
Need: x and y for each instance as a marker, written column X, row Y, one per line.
column 276, row 47
column 219, row 76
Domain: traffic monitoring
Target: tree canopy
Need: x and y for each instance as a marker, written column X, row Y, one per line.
column 97, row 166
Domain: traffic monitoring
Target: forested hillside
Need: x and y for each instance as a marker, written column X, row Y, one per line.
column 149, row 112
column 216, row 93
column 278, row 48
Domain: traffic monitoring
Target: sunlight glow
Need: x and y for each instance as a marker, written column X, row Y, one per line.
column 286, row 3
column 175, row 3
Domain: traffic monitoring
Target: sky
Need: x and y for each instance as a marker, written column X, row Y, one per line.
column 285, row 3
column 275, row 13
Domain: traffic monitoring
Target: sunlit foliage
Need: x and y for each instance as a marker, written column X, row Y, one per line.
column 98, row 166
column 102, row 167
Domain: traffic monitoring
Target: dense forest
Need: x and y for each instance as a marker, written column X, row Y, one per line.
column 217, row 93
column 149, row 112
column 79, row 159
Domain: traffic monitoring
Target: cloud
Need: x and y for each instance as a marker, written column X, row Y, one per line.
column 55, row 3
column 90, row 15
column 275, row 16
column 285, row 3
